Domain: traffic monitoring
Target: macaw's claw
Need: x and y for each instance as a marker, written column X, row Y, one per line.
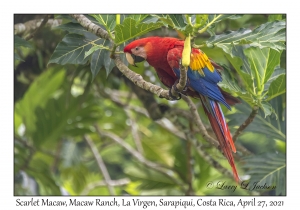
column 172, row 96
column 184, row 91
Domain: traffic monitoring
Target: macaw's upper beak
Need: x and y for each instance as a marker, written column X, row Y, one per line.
column 132, row 59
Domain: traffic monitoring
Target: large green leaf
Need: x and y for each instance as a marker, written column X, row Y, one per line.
column 230, row 85
column 270, row 126
column 219, row 17
column 273, row 17
column 59, row 118
column 106, row 20
column 39, row 168
column 270, row 34
column 38, row 94
column 129, row 29
column 76, row 178
column 19, row 42
column 263, row 63
column 17, row 57
column 100, row 58
column 277, row 72
column 267, row 108
column 267, row 169
column 277, row 87
column 71, row 50
column 177, row 22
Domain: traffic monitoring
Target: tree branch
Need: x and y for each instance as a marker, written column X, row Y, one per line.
column 138, row 80
column 246, row 123
column 91, row 27
column 190, row 190
column 134, row 132
column 101, row 164
column 113, row 183
column 139, row 157
column 199, row 122
column 208, row 157
column 189, row 136
column 154, row 109
column 29, row 26
column 45, row 20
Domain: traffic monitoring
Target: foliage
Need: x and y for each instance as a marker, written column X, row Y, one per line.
column 77, row 94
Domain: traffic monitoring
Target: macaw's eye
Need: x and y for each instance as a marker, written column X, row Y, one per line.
column 137, row 48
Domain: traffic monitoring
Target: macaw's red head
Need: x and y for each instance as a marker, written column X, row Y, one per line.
column 137, row 50
column 152, row 49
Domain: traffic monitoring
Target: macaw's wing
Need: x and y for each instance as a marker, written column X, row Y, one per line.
column 202, row 76
column 167, row 79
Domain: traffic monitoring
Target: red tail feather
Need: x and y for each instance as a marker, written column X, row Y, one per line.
column 218, row 124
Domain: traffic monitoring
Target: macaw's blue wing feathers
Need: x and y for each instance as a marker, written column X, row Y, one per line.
column 207, row 85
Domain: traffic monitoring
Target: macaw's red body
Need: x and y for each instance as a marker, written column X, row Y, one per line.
column 164, row 54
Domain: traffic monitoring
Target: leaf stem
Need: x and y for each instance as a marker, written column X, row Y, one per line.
column 209, row 24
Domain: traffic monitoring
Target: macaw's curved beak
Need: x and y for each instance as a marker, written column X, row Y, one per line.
column 132, row 59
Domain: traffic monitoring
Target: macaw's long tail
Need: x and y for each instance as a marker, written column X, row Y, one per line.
column 220, row 127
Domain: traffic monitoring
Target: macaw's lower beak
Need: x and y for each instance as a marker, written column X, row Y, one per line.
column 132, row 59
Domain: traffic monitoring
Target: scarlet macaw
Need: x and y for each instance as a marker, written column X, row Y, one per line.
column 164, row 54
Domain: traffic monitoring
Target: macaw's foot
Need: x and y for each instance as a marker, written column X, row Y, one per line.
column 177, row 91
column 172, row 96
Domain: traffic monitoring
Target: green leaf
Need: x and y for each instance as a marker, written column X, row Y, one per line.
column 222, row 17
column 72, row 49
column 200, row 20
column 76, row 176
column 262, row 62
column 17, row 57
column 129, row 29
column 71, row 154
column 176, row 22
column 38, row 94
column 100, row 58
column 240, row 62
column 267, row 108
column 269, row 126
column 92, row 50
column 277, row 87
column 143, row 18
column 39, row 168
column 58, row 118
column 269, row 169
column 272, row 17
column 20, row 42
column 277, row 72
column 270, row 34
column 75, row 28
column 229, row 84
column 106, row 20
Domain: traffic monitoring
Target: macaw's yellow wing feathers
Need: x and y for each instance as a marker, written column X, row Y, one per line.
column 199, row 60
